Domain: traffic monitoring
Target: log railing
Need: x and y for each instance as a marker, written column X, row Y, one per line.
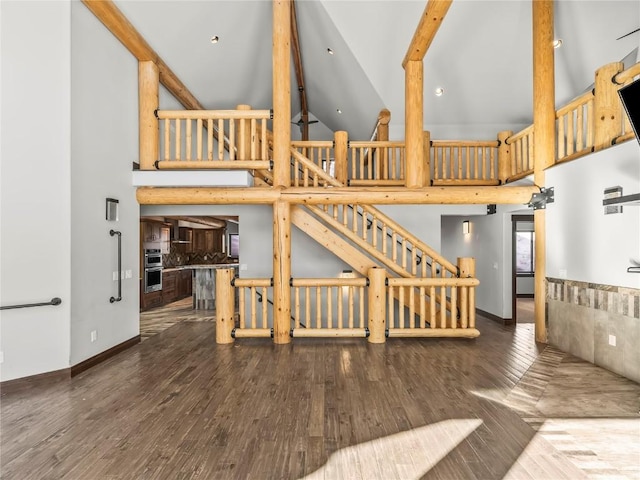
column 255, row 314
column 425, row 315
column 329, row 307
column 352, row 307
column 574, row 128
column 464, row 162
column 376, row 163
column 209, row 139
column 521, row 158
column 319, row 152
column 379, row 235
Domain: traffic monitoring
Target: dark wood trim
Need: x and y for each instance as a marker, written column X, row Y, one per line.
column 101, row 357
column 495, row 318
column 25, row 383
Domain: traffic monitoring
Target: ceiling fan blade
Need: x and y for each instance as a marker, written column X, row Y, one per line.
column 630, row 33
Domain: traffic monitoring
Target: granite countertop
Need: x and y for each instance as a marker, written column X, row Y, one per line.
column 212, row 266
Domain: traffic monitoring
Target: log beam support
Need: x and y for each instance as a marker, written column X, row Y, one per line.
column 281, row 272
column 340, row 151
column 544, row 142
column 432, row 17
column 377, row 303
column 335, row 195
column 281, row 92
column 225, row 303
column 414, row 147
column 148, row 88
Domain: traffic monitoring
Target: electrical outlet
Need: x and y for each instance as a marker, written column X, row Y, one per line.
column 612, row 340
column 562, row 273
column 115, row 276
column 127, row 274
column 94, row 335
column 122, row 275
column 243, row 266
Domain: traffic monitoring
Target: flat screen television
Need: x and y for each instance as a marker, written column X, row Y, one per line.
column 630, row 96
column 234, row 245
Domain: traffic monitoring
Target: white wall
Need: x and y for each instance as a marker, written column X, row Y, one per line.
column 35, row 194
column 582, row 243
column 104, row 145
column 489, row 242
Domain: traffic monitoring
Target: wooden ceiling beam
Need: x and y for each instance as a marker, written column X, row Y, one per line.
column 297, row 64
column 336, row 195
column 115, row 21
column 432, row 17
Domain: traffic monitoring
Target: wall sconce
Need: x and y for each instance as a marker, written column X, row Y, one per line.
column 465, row 227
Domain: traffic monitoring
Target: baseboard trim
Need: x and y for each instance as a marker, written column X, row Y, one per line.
column 26, row 383
column 101, row 357
column 495, row 318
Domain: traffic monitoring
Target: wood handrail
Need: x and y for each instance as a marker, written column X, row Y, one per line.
column 432, row 282
column 214, row 114
column 465, row 143
column 329, row 282
column 626, row 75
column 573, row 104
column 517, row 136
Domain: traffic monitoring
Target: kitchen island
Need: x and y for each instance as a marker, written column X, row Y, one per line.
column 204, row 282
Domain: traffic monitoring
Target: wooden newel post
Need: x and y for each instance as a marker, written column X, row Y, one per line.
column 225, row 303
column 341, row 139
column 607, row 108
column 467, row 295
column 382, row 135
column 377, row 302
column 243, row 129
column 504, row 156
column 426, row 146
column 149, row 138
column 281, row 93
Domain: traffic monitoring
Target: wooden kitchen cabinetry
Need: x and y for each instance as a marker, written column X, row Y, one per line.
column 207, row 240
column 156, row 235
column 176, row 285
column 185, row 235
column 151, row 232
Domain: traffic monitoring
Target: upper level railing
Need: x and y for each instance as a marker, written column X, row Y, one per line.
column 205, row 139
column 239, row 139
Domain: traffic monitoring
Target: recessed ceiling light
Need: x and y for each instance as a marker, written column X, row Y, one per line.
column 215, row 39
column 329, row 51
column 439, row 91
column 557, row 43
column 338, row 110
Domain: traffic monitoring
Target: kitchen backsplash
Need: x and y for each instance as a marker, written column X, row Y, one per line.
column 175, row 258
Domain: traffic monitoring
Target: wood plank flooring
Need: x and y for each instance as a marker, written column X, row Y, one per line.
column 178, row 406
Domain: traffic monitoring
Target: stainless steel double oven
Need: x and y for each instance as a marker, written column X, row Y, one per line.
column 152, row 270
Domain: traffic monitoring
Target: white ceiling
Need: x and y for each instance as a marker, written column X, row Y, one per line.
column 481, row 55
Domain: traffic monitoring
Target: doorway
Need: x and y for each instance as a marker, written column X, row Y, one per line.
column 522, row 268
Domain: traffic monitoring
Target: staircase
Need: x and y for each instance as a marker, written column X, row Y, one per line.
column 361, row 235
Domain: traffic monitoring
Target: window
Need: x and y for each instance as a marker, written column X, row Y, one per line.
column 525, row 247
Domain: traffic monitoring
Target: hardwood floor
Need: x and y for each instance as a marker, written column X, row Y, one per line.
column 181, row 406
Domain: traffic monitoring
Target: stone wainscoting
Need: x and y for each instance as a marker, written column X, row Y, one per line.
column 583, row 319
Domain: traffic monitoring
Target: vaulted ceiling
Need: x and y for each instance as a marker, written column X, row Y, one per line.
column 481, row 56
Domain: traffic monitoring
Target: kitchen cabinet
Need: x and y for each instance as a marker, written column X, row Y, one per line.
column 165, row 240
column 184, row 283
column 169, row 283
column 151, row 232
column 207, row 240
column 185, row 235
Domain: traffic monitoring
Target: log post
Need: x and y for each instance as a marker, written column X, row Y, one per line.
column 413, row 124
column 340, row 155
column 426, row 146
column 225, row 303
column 281, row 93
column 377, row 302
column 467, row 267
column 148, row 87
column 544, row 119
column 607, row 108
column 504, row 156
column 382, row 135
column 243, row 135
column 281, row 272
